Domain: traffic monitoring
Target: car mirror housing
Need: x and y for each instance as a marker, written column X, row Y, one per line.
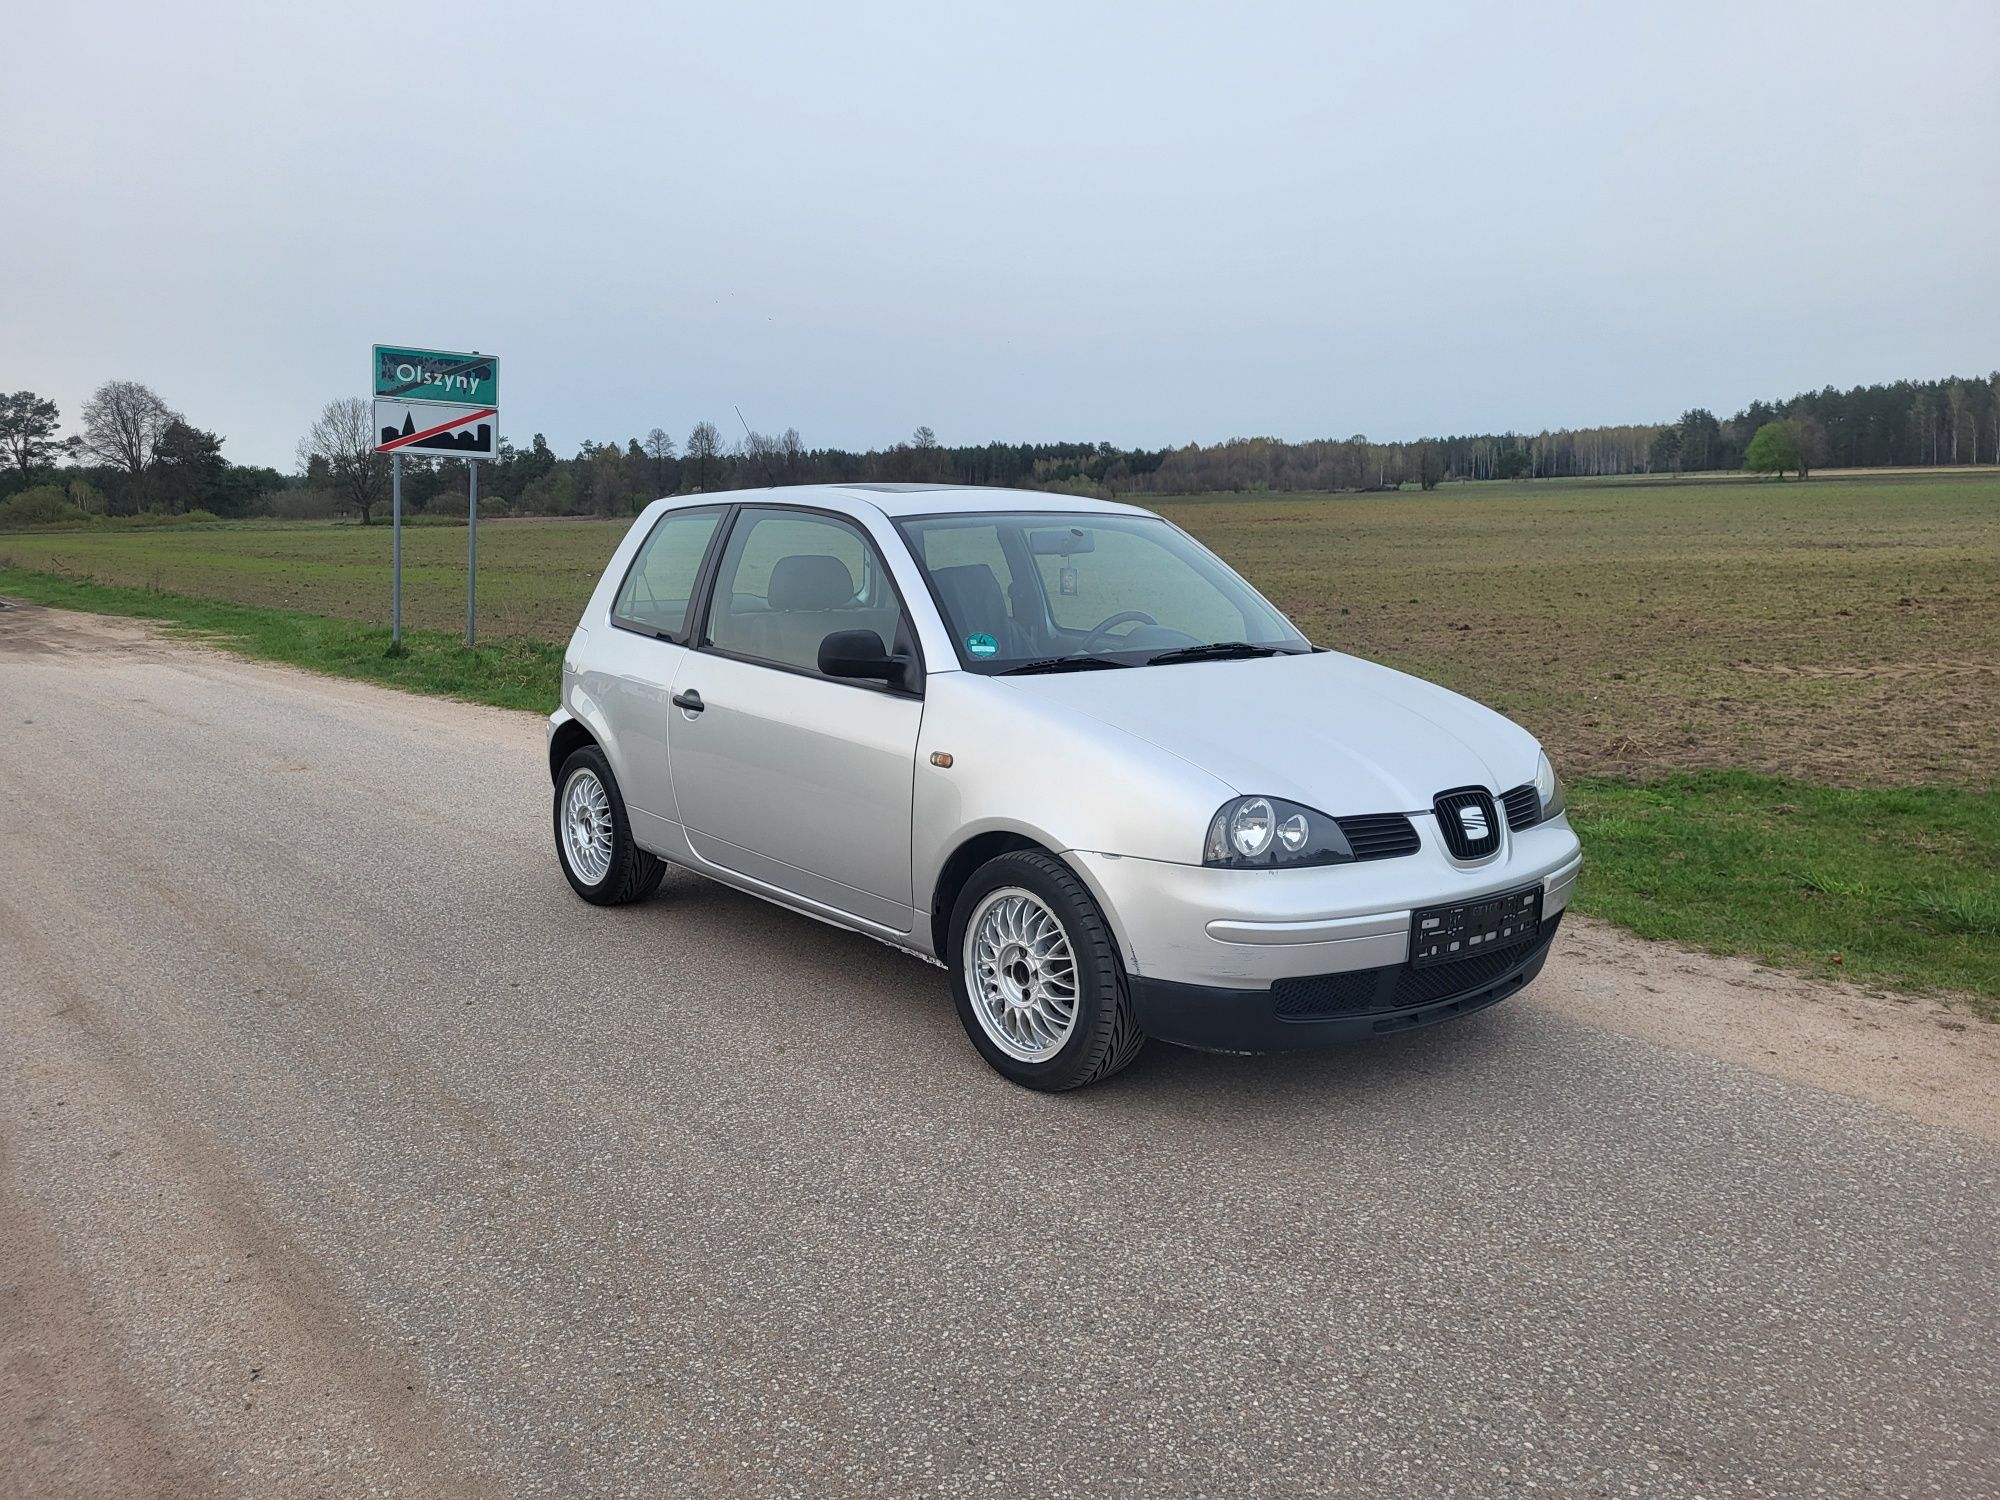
column 861, row 654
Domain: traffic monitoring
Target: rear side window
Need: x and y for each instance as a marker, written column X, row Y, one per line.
column 660, row 583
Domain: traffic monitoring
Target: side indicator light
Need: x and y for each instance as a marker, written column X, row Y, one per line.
column 941, row 758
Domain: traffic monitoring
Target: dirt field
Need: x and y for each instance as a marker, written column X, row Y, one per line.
column 1845, row 630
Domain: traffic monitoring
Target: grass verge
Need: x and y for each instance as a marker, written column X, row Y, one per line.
column 506, row 673
column 1892, row 887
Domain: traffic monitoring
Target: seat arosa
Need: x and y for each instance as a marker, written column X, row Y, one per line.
column 1062, row 750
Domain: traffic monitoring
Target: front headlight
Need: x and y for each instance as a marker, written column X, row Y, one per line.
column 1260, row 833
column 1549, row 787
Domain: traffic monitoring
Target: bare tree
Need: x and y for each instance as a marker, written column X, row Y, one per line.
column 604, row 470
column 794, row 451
column 1957, row 404
column 123, row 423
column 762, row 454
column 343, row 439
column 926, row 460
column 661, row 449
column 704, row 446
column 1994, row 382
column 1923, row 423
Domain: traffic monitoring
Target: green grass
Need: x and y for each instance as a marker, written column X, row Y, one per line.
column 1897, row 887
column 514, row 673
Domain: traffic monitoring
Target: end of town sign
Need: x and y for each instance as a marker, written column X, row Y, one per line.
column 435, row 375
column 436, row 402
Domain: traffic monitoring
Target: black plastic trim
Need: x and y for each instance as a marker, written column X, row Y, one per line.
column 1225, row 1020
column 1523, row 806
column 1380, row 835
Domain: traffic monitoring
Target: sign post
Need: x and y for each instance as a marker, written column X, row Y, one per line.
column 396, row 553
column 472, row 553
column 442, row 405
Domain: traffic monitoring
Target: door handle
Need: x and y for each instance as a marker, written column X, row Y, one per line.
column 690, row 700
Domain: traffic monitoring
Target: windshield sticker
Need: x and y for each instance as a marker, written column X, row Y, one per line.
column 979, row 643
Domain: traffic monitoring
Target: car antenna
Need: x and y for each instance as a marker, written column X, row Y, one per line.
column 762, row 459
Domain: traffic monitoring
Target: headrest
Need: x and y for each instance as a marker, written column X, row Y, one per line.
column 972, row 593
column 806, row 581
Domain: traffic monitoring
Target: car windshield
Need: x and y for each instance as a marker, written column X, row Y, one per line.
column 1023, row 592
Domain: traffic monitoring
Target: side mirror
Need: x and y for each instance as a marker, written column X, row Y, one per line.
column 860, row 653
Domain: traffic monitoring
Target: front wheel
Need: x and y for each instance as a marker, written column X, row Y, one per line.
column 1036, row 976
column 593, row 838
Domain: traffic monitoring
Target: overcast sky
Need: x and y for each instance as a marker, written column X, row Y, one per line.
column 1145, row 224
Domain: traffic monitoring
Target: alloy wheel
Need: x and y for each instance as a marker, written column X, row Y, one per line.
column 586, row 826
column 1021, row 974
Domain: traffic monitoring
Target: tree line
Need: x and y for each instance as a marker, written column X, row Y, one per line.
column 135, row 455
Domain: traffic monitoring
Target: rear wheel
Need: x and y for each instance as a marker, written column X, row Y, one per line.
column 1036, row 975
column 593, row 838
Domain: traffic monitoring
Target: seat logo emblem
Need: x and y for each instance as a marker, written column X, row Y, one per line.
column 1473, row 820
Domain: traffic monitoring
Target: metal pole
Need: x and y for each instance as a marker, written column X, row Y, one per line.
column 472, row 552
column 396, row 551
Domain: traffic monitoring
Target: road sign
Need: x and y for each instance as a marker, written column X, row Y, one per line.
column 437, row 375
column 437, row 428
column 444, row 405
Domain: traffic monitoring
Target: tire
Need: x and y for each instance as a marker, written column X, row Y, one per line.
column 1101, row 1037
column 629, row 873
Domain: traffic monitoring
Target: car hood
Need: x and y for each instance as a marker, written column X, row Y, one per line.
column 1334, row 732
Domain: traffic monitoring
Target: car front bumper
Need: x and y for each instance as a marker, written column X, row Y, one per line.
column 1321, row 1010
column 1266, row 960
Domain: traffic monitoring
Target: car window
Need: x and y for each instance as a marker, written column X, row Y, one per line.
column 976, row 546
column 660, row 583
column 1032, row 587
column 968, row 568
column 1133, row 570
column 788, row 579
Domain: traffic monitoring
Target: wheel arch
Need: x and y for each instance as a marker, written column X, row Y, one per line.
column 991, row 843
column 569, row 737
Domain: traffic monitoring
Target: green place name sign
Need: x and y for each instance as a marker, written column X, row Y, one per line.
column 437, row 375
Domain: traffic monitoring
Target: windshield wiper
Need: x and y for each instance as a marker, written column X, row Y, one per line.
column 1217, row 650
column 1062, row 664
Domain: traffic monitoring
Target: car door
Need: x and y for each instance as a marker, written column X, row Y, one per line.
column 633, row 666
column 781, row 774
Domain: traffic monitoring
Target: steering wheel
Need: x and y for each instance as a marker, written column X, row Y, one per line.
column 1123, row 617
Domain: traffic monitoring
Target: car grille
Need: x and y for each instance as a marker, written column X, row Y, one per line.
column 1463, row 843
column 1379, row 835
column 1398, row 987
column 1523, row 805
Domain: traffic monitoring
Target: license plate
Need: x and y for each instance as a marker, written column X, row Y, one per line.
column 1445, row 934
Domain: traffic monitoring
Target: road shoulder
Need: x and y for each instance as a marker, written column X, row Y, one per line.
column 1908, row 1053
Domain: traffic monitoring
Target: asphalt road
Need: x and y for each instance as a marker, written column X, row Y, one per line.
column 343, row 1151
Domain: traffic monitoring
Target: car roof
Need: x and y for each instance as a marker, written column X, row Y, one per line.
column 899, row 500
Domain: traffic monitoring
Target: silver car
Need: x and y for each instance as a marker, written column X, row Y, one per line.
column 1062, row 750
